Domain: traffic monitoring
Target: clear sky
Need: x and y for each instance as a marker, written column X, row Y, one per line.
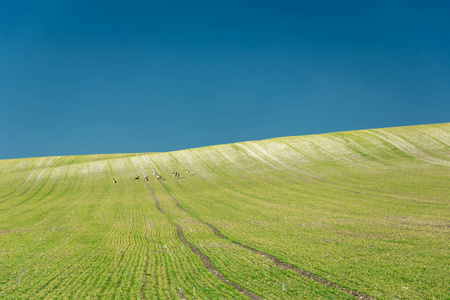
column 88, row 77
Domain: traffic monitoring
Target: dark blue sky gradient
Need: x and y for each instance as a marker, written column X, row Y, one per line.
column 85, row 77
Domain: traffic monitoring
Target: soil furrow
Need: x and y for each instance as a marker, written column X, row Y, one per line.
column 284, row 265
column 277, row 262
column 154, row 197
column 207, row 263
column 144, row 276
column 211, row 268
column 180, row 295
column 150, row 188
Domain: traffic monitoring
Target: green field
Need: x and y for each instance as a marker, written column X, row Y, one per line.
column 333, row 216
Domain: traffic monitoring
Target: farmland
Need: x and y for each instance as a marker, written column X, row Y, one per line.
column 332, row 216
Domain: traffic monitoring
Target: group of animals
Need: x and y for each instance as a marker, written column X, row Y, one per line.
column 157, row 176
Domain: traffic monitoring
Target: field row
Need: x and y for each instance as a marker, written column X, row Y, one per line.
column 332, row 216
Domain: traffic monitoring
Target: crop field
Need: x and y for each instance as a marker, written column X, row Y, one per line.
column 346, row 215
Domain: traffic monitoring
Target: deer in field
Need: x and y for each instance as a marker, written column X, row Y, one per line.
column 158, row 177
column 114, row 181
column 176, row 174
column 146, row 178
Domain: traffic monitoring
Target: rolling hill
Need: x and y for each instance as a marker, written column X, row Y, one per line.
column 345, row 215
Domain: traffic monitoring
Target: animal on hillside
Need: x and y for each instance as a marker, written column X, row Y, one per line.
column 146, row 178
column 158, row 177
column 176, row 174
column 114, row 181
column 136, row 178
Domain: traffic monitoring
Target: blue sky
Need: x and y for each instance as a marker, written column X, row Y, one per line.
column 88, row 77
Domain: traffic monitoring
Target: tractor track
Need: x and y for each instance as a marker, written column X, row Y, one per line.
column 33, row 182
column 286, row 266
column 39, row 176
column 206, row 261
column 149, row 187
column 210, row 266
column 406, row 147
column 26, row 179
column 328, row 184
column 277, row 261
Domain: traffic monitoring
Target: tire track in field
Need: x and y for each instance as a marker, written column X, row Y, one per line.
column 431, row 135
column 363, row 191
column 208, row 265
column 38, row 176
column 328, row 184
column 147, row 256
column 285, row 266
column 144, row 281
column 26, row 179
column 144, row 273
column 408, row 148
column 180, row 295
column 313, row 179
column 277, row 261
column 136, row 162
column 33, row 182
column 146, row 265
column 148, row 185
column 252, row 154
column 206, row 261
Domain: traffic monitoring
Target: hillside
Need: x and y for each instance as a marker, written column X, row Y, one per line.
column 331, row 216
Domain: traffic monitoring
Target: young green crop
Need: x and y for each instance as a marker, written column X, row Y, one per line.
column 310, row 217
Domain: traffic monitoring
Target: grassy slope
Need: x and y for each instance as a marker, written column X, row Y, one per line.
column 367, row 210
